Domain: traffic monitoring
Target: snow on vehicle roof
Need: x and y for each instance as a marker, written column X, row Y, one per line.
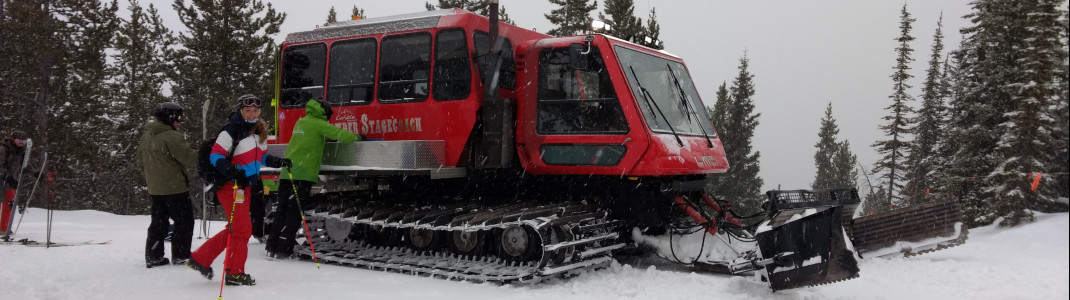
column 631, row 43
column 395, row 23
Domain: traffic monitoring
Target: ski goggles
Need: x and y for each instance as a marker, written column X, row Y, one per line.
column 250, row 101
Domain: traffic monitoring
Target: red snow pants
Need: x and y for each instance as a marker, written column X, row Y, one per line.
column 240, row 229
column 5, row 211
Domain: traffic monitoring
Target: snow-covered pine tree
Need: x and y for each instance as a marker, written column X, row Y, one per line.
column 1026, row 144
column 625, row 25
column 357, row 12
column 929, row 128
column 845, row 163
column 221, row 55
column 834, row 161
column 1063, row 156
column 940, row 179
column 985, row 63
column 572, row 17
column 826, row 148
column 332, row 17
column 718, row 116
column 652, row 34
column 741, row 185
column 894, row 150
column 139, row 69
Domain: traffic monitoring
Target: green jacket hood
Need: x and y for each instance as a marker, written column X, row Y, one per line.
column 313, row 109
column 156, row 127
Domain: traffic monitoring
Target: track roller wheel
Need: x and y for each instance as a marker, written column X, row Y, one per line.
column 466, row 242
column 518, row 243
column 425, row 239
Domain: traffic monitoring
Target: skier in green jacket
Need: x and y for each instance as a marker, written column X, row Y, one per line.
column 306, row 151
column 163, row 156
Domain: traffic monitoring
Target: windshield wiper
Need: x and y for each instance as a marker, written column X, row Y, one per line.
column 687, row 105
column 646, row 95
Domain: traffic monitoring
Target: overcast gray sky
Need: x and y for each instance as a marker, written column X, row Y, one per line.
column 803, row 54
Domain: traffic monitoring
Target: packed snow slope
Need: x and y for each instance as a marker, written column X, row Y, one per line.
column 1027, row 262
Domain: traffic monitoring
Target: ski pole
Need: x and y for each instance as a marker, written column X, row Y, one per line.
column 22, row 212
column 308, row 234
column 230, row 229
column 51, row 202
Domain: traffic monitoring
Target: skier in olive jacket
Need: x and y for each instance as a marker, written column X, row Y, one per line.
column 306, row 151
column 163, row 156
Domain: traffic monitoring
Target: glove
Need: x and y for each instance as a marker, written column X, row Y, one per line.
column 11, row 182
column 239, row 177
column 287, row 163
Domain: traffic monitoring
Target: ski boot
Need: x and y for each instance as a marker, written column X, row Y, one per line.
column 240, row 279
column 156, row 262
column 205, row 271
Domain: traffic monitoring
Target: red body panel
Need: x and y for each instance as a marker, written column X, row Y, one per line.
column 451, row 121
column 648, row 153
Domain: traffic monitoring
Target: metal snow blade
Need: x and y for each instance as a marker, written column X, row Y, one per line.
column 803, row 243
column 909, row 231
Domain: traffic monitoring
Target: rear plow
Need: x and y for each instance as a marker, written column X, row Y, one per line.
column 805, row 237
column 801, row 243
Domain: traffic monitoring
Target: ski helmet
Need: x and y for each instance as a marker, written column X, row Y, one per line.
column 248, row 100
column 19, row 135
column 168, row 112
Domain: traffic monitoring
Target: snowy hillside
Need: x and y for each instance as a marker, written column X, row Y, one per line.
column 1028, row 262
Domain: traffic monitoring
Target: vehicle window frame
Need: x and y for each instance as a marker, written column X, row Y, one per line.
column 651, row 114
column 382, row 62
column 300, row 103
column 593, row 104
column 373, row 84
column 437, row 66
column 507, row 79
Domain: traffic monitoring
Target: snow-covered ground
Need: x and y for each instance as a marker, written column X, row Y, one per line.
column 1027, row 262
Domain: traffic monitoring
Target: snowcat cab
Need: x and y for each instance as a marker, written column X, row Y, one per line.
column 503, row 154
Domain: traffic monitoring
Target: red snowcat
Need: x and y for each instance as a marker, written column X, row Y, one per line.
column 502, row 154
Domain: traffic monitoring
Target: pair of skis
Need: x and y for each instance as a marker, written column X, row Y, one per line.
column 15, row 202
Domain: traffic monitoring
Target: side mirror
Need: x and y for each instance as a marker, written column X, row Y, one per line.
column 577, row 56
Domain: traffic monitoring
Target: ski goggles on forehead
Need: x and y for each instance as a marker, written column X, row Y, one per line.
column 250, row 102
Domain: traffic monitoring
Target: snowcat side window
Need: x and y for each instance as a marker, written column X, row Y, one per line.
column 351, row 79
column 405, row 67
column 453, row 72
column 576, row 101
column 303, row 68
column 507, row 75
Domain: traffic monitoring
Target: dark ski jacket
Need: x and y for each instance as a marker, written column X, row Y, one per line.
column 249, row 153
column 163, row 155
column 306, row 145
column 11, row 157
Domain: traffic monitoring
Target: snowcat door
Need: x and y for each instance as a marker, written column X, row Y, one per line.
column 573, row 121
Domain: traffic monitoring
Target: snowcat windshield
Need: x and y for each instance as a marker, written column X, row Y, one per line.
column 683, row 113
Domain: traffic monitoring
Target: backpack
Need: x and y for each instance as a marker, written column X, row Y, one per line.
column 208, row 173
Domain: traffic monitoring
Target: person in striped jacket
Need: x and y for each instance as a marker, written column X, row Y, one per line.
column 239, row 151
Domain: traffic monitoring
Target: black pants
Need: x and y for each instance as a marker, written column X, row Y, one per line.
column 282, row 236
column 256, row 209
column 178, row 208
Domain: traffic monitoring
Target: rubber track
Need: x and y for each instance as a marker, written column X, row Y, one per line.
column 591, row 238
